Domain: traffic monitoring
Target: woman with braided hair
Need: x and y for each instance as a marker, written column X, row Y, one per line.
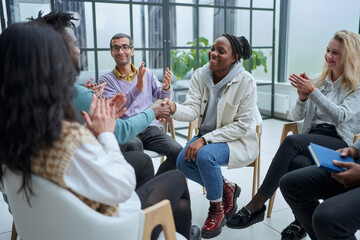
column 223, row 96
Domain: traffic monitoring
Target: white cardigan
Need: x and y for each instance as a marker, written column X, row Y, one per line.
column 237, row 115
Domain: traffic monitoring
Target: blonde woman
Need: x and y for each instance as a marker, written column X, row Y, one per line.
column 329, row 106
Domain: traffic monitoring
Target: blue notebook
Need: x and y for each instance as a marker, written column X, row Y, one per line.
column 323, row 158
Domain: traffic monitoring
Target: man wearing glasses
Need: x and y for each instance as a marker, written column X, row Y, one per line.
column 140, row 86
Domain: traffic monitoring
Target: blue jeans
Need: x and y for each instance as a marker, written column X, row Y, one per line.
column 206, row 170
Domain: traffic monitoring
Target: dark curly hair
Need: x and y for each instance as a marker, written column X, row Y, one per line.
column 240, row 46
column 36, row 77
column 58, row 20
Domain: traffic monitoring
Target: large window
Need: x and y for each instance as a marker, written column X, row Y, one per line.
column 167, row 33
column 308, row 37
column 305, row 31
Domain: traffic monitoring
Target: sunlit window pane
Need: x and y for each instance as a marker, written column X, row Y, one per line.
column 110, row 20
column 182, row 19
column 238, row 23
column 262, row 28
column 24, row 10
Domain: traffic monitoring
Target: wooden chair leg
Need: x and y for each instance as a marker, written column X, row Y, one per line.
column 271, row 204
column 204, row 190
column 254, row 179
column 13, row 233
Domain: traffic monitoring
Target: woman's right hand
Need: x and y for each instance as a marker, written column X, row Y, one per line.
column 303, row 84
column 101, row 117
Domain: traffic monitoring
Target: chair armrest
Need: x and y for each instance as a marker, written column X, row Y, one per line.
column 159, row 213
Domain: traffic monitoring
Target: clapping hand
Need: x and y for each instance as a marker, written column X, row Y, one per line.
column 167, row 79
column 303, row 84
column 98, row 89
column 119, row 101
column 101, row 117
column 140, row 84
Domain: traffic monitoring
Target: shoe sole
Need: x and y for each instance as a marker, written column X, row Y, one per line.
column 236, row 195
column 256, row 220
column 205, row 234
column 245, row 226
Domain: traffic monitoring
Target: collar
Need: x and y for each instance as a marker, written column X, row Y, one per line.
column 337, row 81
column 128, row 78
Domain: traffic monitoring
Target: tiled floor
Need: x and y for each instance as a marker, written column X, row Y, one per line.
column 270, row 228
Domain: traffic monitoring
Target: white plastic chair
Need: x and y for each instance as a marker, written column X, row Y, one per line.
column 57, row 214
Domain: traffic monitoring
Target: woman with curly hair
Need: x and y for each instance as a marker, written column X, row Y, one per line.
column 41, row 135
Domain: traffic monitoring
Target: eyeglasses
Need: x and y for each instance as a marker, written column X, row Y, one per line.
column 124, row 47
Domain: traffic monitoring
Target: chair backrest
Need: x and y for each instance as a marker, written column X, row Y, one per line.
column 57, row 214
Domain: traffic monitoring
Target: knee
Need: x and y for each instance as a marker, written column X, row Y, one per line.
column 286, row 184
column 181, row 162
column 178, row 175
column 204, row 158
column 326, row 219
column 175, row 148
column 148, row 163
column 134, row 144
column 297, row 163
column 201, row 160
column 290, row 140
column 322, row 219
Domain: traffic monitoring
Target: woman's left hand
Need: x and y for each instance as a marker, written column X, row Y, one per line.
column 303, row 84
column 192, row 149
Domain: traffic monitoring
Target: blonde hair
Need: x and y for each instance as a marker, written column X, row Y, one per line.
column 350, row 56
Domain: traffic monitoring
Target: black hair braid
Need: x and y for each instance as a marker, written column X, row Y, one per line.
column 240, row 46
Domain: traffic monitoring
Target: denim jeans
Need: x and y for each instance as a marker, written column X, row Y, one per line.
column 206, row 170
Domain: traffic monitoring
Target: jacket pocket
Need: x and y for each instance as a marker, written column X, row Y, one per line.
column 229, row 113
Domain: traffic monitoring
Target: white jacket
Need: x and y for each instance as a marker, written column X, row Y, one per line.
column 237, row 115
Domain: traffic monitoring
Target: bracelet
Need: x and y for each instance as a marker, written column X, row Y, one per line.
column 312, row 89
column 167, row 88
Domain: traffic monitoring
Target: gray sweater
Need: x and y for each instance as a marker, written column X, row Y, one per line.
column 343, row 111
column 215, row 92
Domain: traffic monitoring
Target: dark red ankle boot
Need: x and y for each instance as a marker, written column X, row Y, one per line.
column 215, row 220
column 230, row 194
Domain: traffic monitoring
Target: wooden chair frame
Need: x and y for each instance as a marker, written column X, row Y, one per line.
column 287, row 128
